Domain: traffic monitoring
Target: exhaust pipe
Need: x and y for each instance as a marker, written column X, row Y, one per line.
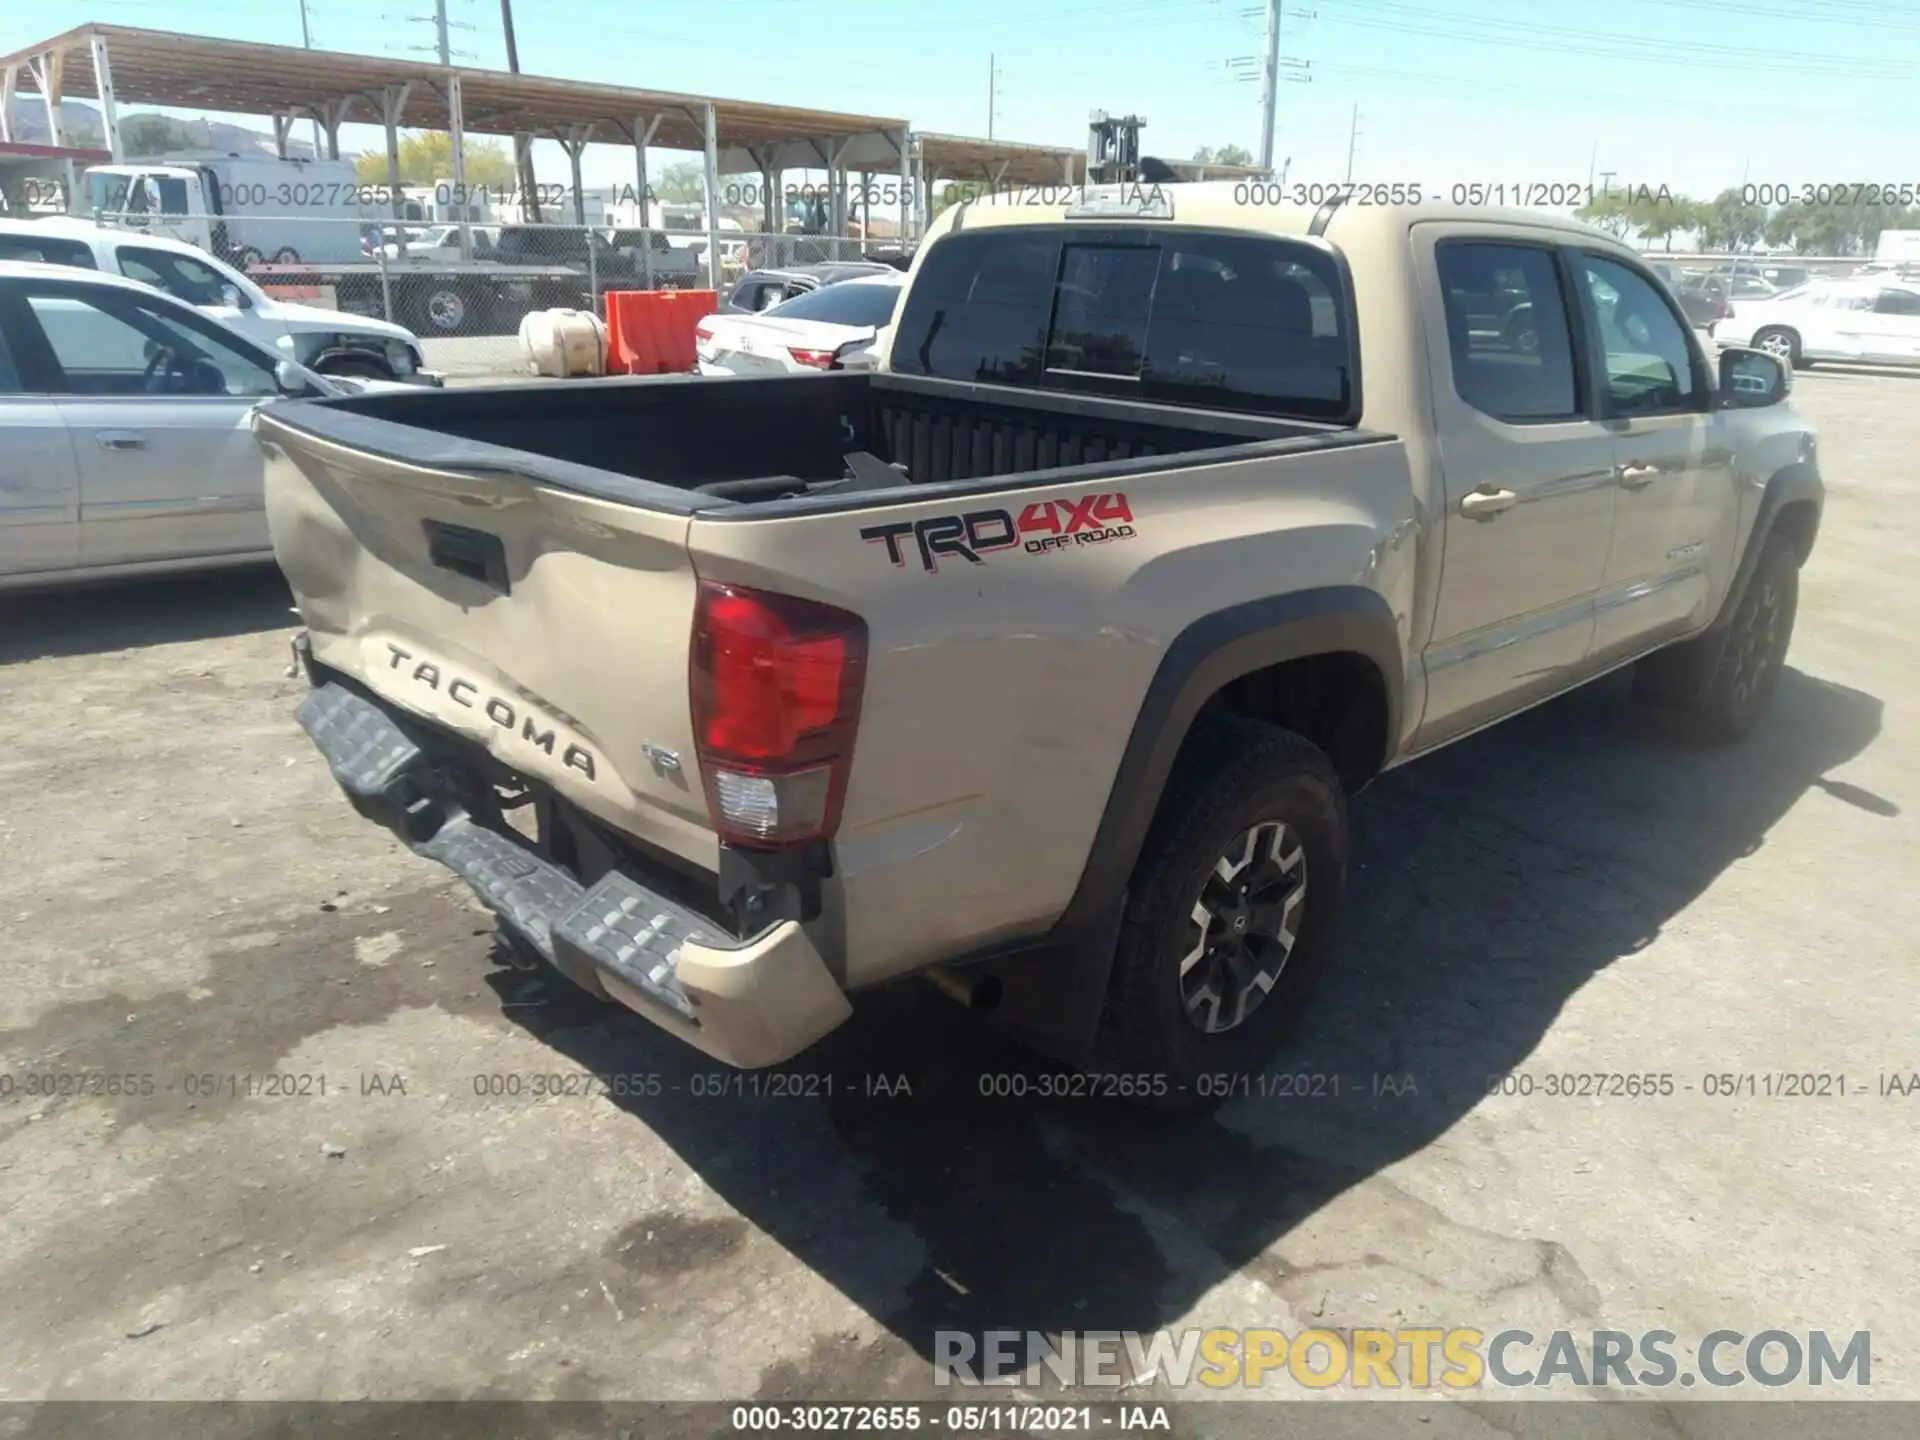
column 974, row 989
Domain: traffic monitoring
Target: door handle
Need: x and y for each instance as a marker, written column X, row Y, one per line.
column 1637, row 477
column 1485, row 504
column 120, row 439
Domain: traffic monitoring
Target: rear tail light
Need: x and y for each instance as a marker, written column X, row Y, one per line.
column 701, row 332
column 776, row 684
column 812, row 359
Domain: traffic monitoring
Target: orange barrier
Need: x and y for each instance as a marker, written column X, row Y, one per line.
column 650, row 332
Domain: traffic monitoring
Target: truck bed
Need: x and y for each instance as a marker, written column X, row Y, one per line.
column 705, row 443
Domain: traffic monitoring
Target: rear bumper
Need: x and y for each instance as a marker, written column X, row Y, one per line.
column 748, row 1003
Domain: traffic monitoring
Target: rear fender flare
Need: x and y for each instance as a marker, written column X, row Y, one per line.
column 1208, row 655
column 1051, row 990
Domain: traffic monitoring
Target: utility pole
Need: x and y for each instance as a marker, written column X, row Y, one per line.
column 440, row 32
column 522, row 151
column 306, row 43
column 1353, row 141
column 993, row 83
column 1269, row 85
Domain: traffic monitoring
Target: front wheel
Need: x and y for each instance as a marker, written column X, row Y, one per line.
column 1717, row 687
column 1228, row 911
column 286, row 255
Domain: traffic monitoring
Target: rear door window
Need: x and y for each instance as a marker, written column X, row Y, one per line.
column 1507, row 330
column 181, row 276
column 1195, row 318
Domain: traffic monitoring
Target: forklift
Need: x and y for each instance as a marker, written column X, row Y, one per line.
column 1113, row 153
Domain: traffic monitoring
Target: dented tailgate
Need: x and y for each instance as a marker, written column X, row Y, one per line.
column 551, row 626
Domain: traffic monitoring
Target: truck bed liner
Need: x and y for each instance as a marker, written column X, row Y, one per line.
column 651, row 441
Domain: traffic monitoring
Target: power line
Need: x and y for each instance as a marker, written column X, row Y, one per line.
column 1514, row 35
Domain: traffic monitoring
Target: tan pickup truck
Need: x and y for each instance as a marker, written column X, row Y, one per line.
column 1046, row 657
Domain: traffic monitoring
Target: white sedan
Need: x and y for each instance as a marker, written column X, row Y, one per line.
column 1875, row 321
column 814, row 331
column 125, row 446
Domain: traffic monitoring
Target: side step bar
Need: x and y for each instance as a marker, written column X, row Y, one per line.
column 616, row 927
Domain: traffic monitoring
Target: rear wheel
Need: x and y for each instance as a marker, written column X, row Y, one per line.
column 443, row 310
column 286, row 255
column 1225, row 931
column 246, row 257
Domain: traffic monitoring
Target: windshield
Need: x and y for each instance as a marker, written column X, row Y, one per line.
column 842, row 305
column 107, row 191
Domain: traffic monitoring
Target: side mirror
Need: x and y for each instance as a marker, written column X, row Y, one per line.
column 296, row 382
column 233, row 297
column 1752, row 379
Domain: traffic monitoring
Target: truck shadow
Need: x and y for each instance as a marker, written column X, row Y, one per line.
column 1492, row 881
column 130, row 614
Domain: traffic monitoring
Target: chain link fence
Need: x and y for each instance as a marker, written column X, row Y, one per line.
column 464, row 289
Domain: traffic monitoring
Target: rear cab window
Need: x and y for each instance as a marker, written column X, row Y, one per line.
column 47, row 250
column 847, row 304
column 1198, row 318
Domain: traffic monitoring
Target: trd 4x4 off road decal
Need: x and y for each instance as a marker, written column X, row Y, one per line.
column 1043, row 526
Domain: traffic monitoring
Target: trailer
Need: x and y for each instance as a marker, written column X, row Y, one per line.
column 436, row 299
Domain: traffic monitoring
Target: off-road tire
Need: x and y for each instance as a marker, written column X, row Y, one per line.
column 1723, row 703
column 1232, row 777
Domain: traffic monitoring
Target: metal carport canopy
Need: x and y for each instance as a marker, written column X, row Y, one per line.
column 997, row 162
column 154, row 67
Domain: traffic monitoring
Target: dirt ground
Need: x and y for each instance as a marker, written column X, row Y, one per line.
column 326, row 1172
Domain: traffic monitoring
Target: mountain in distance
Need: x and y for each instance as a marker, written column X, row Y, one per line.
column 142, row 132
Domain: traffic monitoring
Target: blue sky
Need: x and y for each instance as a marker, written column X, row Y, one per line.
column 1693, row 94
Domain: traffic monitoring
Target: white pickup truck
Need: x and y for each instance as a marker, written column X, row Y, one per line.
column 330, row 342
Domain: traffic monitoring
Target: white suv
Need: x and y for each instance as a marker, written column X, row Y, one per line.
column 328, row 341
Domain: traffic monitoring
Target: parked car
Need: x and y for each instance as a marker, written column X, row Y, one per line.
column 616, row 255
column 1703, row 298
column 440, row 242
column 808, row 332
column 124, row 446
column 1874, row 321
column 332, row 342
column 759, row 290
column 1045, row 659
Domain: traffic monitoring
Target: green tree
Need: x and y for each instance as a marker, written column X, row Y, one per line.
column 142, row 135
column 1660, row 216
column 426, row 156
column 1610, row 211
column 681, row 184
column 1225, row 155
column 1728, row 222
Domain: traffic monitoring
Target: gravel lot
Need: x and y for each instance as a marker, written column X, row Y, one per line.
column 188, row 901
